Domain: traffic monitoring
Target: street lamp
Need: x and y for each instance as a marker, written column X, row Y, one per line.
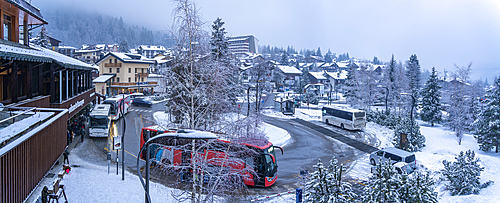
column 386, row 96
column 411, row 112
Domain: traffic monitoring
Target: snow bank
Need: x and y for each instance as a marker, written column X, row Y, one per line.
column 441, row 144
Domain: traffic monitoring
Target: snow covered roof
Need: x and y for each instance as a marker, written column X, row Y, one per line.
column 190, row 134
column 289, row 69
column 342, row 64
column 28, row 8
column 127, row 58
column 152, row 48
column 103, row 78
column 339, row 75
column 152, row 75
column 318, row 75
column 15, row 51
column 67, row 47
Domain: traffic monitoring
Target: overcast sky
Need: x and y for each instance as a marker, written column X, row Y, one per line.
column 442, row 33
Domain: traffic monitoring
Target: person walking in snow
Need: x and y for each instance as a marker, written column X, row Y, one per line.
column 65, row 154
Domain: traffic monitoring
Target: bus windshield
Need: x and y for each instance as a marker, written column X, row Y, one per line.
column 269, row 163
column 99, row 122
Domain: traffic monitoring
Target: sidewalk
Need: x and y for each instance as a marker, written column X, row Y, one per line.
column 87, row 146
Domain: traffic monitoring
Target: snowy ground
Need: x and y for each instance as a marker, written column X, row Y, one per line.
column 90, row 182
column 441, row 145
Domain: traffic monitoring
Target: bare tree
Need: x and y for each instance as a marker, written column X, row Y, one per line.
column 459, row 109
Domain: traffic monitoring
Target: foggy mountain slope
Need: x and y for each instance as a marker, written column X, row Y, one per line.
column 75, row 28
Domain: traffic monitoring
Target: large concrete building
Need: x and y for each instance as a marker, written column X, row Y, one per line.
column 240, row 45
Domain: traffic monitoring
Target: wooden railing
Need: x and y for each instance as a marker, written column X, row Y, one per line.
column 112, row 65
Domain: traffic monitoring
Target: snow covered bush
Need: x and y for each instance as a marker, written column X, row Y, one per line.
column 383, row 185
column 386, row 185
column 326, row 184
column 462, row 176
column 383, row 119
column 415, row 141
column 311, row 98
column 417, row 187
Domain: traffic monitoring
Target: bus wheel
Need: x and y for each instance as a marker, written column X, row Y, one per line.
column 342, row 126
column 327, row 121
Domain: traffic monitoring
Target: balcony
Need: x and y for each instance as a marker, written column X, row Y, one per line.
column 112, row 65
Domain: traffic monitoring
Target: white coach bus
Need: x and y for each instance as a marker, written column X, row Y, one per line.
column 100, row 121
column 345, row 118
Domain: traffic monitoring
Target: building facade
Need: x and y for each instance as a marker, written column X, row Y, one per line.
column 240, row 45
column 123, row 72
column 150, row 51
column 34, row 79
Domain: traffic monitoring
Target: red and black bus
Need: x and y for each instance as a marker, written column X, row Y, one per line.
column 254, row 159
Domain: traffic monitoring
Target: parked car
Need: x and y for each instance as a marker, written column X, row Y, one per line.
column 401, row 168
column 394, row 155
column 141, row 102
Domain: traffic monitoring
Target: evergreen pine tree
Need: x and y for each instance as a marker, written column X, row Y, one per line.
column 326, row 184
column 328, row 57
column 413, row 74
column 383, row 185
column 415, row 142
column 351, row 86
column 375, row 61
column 431, row 107
column 42, row 39
column 218, row 42
column 462, row 176
column 284, row 59
column 418, row 188
column 304, row 79
column 318, row 53
column 123, row 46
column 487, row 125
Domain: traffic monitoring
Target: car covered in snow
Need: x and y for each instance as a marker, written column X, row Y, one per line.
column 394, row 155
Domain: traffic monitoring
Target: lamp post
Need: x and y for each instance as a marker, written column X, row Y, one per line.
column 386, row 96
column 411, row 112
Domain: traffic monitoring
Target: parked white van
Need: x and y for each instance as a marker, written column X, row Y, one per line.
column 394, row 155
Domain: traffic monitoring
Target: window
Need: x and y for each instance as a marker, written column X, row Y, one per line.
column 7, row 27
column 142, row 79
column 142, row 69
column 117, row 70
column 110, row 70
column 136, row 70
column 112, row 79
column 129, row 70
column 129, row 79
column 115, row 61
column 110, row 60
column 136, row 79
column 117, row 79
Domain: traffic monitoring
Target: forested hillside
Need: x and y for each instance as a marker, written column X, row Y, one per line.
column 75, row 28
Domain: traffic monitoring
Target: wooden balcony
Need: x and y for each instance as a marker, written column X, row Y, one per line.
column 112, row 65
